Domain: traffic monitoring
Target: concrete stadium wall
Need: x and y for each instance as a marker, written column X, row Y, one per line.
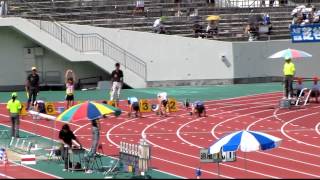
column 13, row 70
column 251, row 59
column 173, row 60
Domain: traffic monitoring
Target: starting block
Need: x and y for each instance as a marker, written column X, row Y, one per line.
column 144, row 105
column 285, row 103
column 112, row 103
column 23, row 111
column 50, row 108
column 172, row 105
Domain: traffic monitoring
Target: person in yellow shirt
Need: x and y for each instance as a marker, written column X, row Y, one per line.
column 14, row 107
column 289, row 71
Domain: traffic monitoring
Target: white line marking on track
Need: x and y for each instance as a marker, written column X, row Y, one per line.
column 6, row 176
column 143, row 133
column 317, row 127
column 285, row 134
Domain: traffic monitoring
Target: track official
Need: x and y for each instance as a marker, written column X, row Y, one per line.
column 289, row 71
column 14, row 107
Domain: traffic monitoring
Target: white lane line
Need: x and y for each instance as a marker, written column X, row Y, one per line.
column 177, row 152
column 6, row 176
column 289, row 159
column 178, row 134
column 3, row 115
column 230, row 119
column 317, row 127
column 183, row 165
column 298, row 141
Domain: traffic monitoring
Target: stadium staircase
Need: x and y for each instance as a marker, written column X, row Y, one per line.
column 81, row 47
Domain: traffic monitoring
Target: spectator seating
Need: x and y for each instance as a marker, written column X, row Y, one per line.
column 119, row 14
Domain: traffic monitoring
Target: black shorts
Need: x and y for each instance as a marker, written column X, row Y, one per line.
column 200, row 108
column 69, row 97
column 164, row 103
column 135, row 106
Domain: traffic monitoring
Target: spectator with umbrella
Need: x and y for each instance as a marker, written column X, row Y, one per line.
column 212, row 27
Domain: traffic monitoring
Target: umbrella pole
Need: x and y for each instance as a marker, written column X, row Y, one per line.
column 245, row 161
column 53, row 132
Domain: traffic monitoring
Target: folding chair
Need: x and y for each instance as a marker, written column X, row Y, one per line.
column 95, row 161
column 303, row 99
column 112, row 169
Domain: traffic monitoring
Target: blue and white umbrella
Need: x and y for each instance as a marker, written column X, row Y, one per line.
column 247, row 141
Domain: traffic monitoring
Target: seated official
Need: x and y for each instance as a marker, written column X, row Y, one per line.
column 315, row 89
column 299, row 87
column 66, row 136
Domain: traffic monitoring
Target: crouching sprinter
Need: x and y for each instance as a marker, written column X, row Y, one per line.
column 198, row 108
column 134, row 106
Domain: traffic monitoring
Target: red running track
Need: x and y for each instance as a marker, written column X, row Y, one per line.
column 177, row 139
column 15, row 171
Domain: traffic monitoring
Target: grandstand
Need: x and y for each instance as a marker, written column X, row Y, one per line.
column 120, row 14
column 94, row 28
column 90, row 36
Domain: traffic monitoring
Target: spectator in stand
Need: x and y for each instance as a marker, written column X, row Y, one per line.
column 178, row 2
column 267, row 22
column 316, row 16
column 139, row 7
column 198, row 30
column 271, row 2
column 252, row 30
column 158, row 26
column 3, row 8
column 283, row 2
column 315, row 89
column 210, row 2
column 212, row 28
column 296, row 14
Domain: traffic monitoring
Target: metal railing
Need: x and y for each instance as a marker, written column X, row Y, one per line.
column 93, row 43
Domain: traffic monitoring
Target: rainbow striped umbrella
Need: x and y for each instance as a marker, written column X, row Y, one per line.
column 87, row 111
column 290, row 53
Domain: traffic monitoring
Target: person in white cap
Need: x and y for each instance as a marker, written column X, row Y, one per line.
column 32, row 86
